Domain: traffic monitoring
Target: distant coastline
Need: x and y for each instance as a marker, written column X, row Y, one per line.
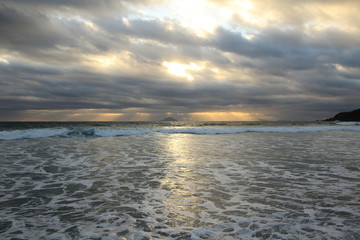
column 353, row 116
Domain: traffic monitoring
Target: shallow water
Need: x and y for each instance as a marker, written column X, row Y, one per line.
column 182, row 186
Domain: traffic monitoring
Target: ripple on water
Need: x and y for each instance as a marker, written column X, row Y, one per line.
column 156, row 186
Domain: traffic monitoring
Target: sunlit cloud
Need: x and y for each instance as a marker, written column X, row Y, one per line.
column 4, row 60
column 226, row 116
column 122, row 61
column 246, row 11
column 91, row 25
column 71, row 115
column 201, row 16
column 106, row 61
column 182, row 70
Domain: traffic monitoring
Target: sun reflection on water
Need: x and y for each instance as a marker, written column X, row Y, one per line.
column 182, row 182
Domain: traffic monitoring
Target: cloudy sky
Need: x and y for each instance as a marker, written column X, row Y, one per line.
column 127, row 60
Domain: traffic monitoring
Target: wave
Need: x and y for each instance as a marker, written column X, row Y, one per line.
column 114, row 132
column 33, row 133
column 347, row 123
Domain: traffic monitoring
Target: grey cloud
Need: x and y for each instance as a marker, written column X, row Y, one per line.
column 149, row 29
column 228, row 41
column 330, row 86
column 85, row 8
column 75, row 90
column 20, row 30
column 350, row 57
column 285, row 50
column 15, row 68
column 289, row 70
column 35, row 36
column 294, row 53
column 84, row 90
column 40, row 36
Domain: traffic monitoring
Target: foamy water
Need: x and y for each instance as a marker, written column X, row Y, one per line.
column 111, row 131
column 164, row 184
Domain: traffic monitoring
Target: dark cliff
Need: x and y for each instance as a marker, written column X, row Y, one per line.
column 352, row 116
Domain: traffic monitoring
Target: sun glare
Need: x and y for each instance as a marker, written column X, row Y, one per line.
column 91, row 25
column 4, row 60
column 181, row 70
column 198, row 15
column 105, row 61
column 243, row 8
column 204, row 16
column 222, row 116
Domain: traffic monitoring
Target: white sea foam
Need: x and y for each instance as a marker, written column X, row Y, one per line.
column 182, row 186
column 33, row 133
column 114, row 132
column 120, row 132
column 347, row 123
column 230, row 130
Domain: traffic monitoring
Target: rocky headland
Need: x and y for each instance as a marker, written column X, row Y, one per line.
column 353, row 116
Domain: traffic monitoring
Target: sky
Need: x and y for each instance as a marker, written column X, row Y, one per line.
column 194, row 60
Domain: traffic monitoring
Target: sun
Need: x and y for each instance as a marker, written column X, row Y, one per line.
column 4, row 60
column 105, row 61
column 180, row 70
column 201, row 17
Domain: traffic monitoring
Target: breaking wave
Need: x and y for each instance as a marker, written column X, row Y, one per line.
column 347, row 123
column 33, row 133
column 114, row 132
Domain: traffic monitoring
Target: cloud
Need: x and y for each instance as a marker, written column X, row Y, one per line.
column 106, row 57
column 20, row 30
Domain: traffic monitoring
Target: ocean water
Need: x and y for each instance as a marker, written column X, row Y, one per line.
column 180, row 180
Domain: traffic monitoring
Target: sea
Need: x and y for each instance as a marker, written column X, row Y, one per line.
column 180, row 180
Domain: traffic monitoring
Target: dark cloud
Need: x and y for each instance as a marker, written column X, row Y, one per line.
column 88, row 7
column 228, row 41
column 350, row 57
column 18, row 30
